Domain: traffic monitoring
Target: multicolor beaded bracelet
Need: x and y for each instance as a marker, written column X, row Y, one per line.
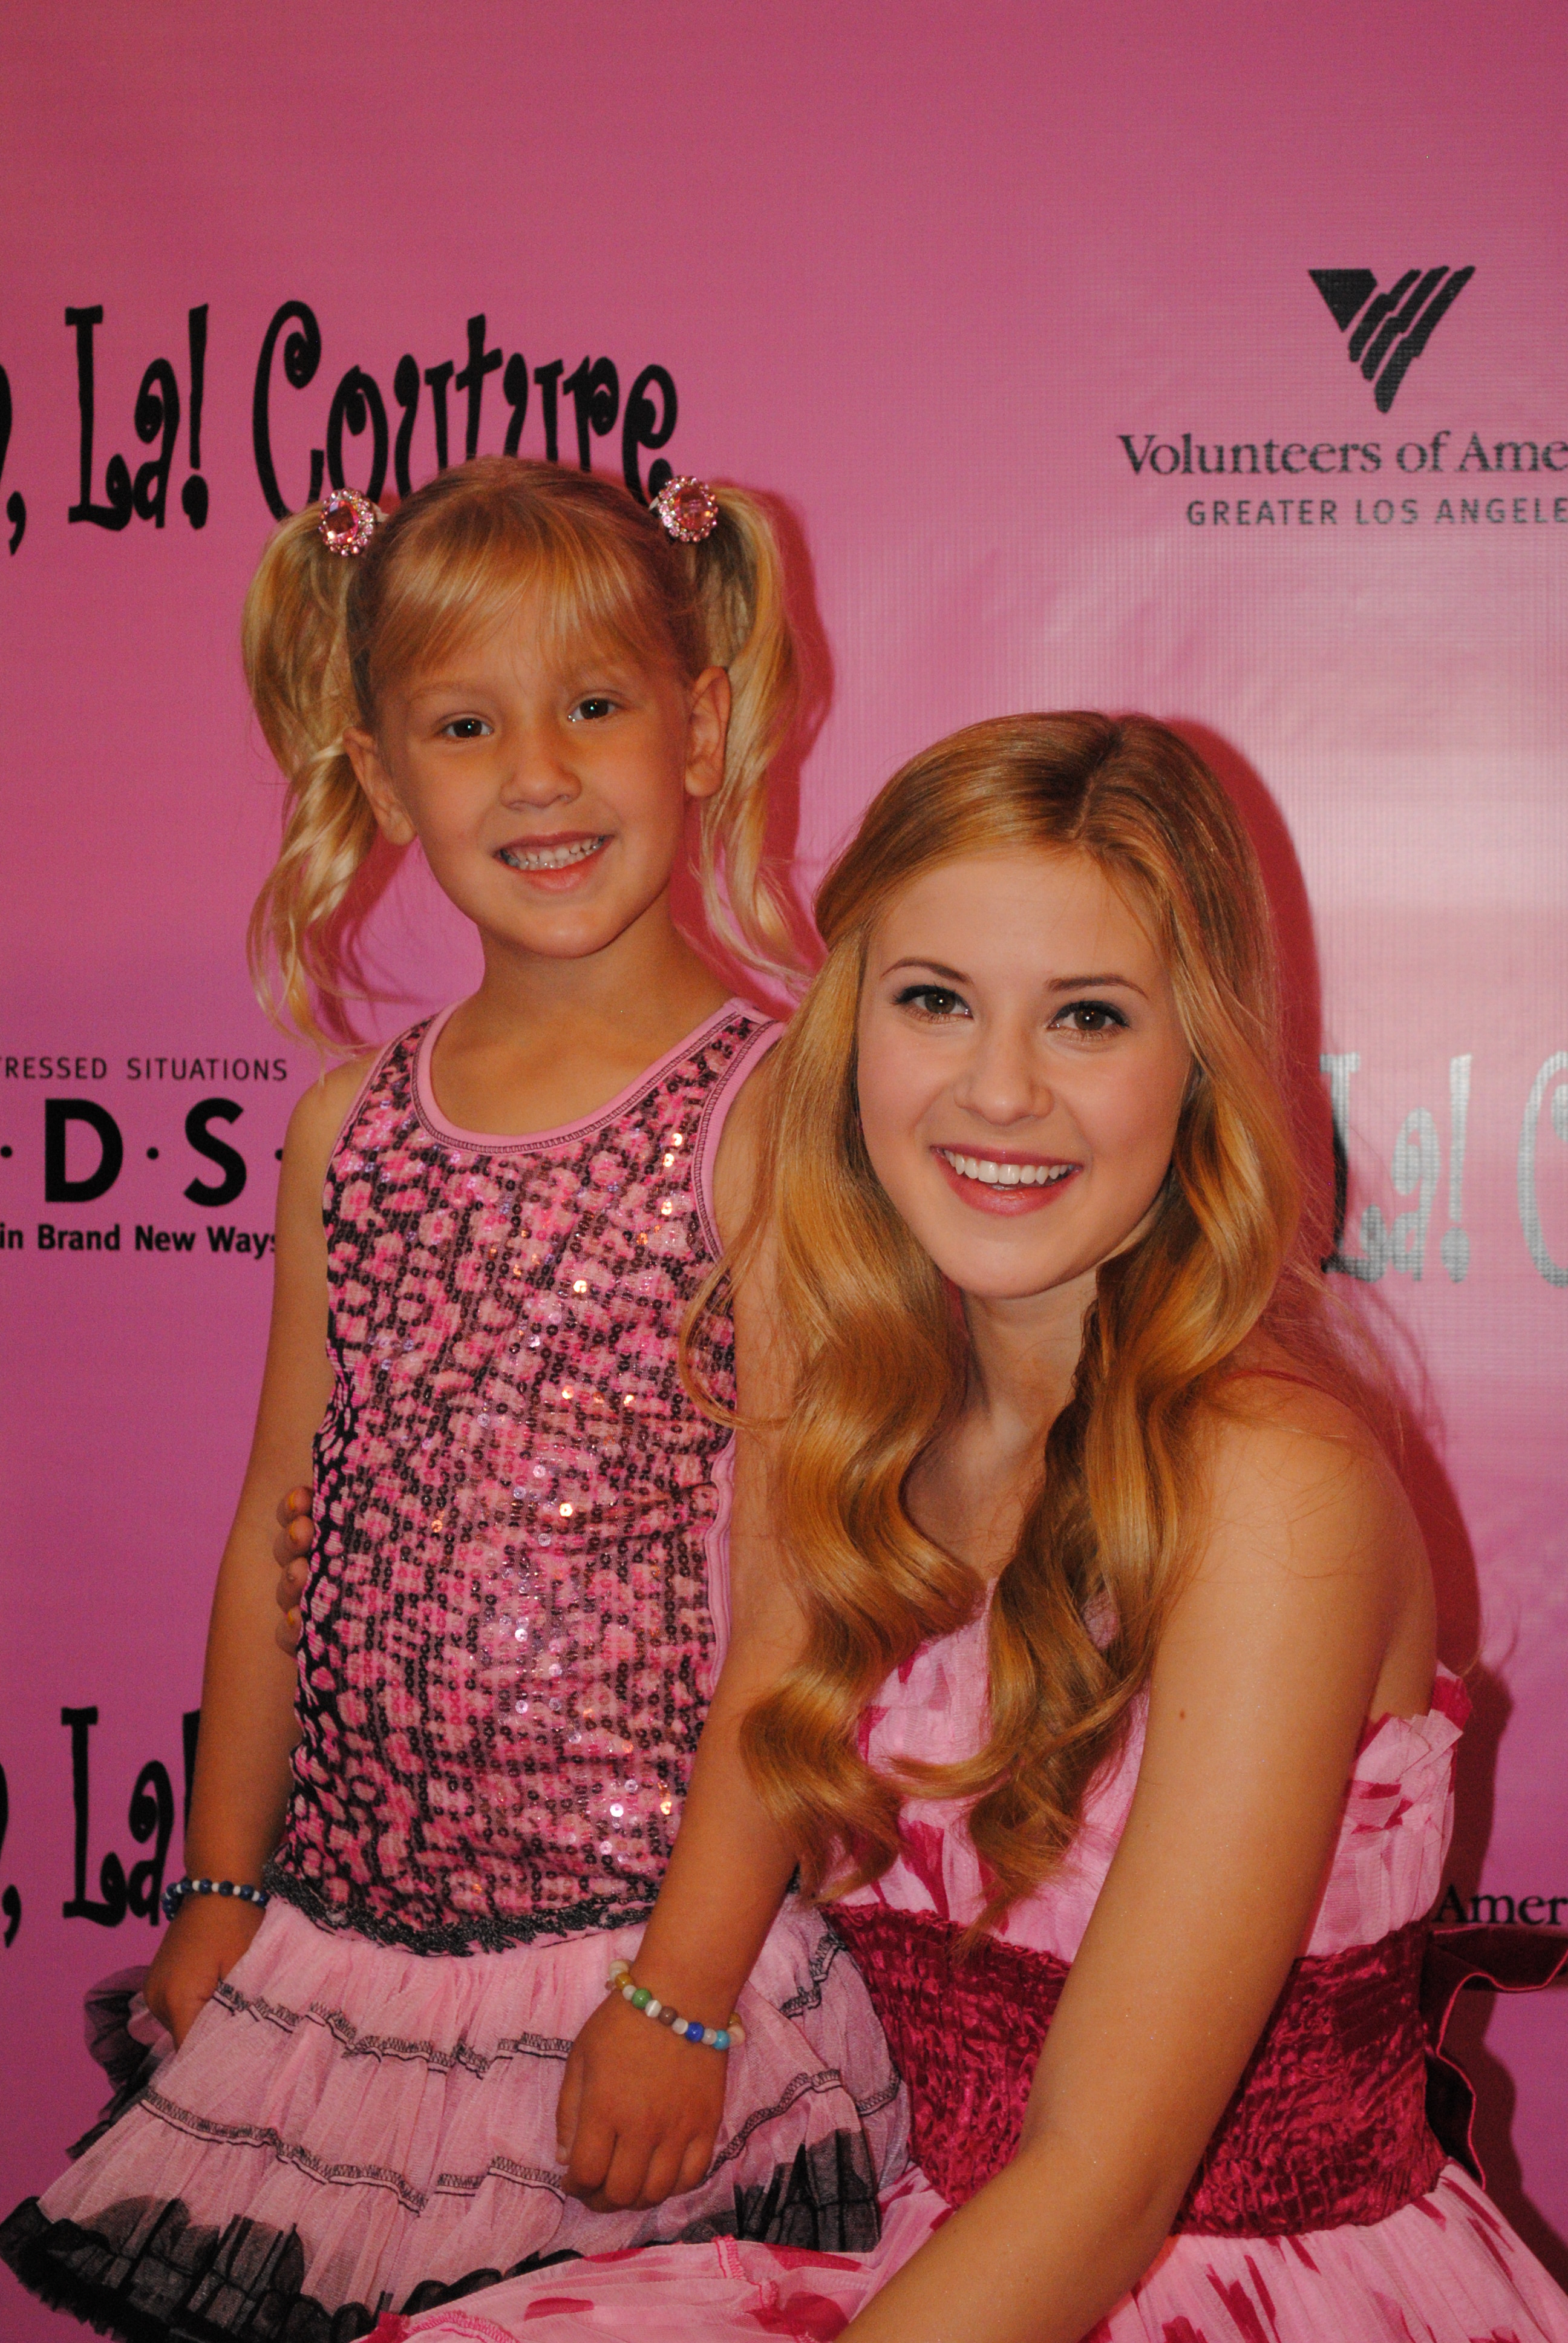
column 175, row 1893
column 715, row 2038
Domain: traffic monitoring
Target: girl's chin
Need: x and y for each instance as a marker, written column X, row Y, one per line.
column 997, row 1259
column 1001, row 1263
column 985, row 1286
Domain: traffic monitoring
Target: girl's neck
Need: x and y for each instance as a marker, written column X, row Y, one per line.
column 1023, row 1355
column 973, row 1486
column 545, row 1042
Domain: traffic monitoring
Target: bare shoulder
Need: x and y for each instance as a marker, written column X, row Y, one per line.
column 1309, row 1588
column 319, row 1114
column 739, row 1161
column 1296, row 1477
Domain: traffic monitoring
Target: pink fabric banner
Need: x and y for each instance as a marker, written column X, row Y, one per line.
column 1202, row 361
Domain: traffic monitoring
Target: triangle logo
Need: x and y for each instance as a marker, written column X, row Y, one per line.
column 1344, row 290
column 1388, row 331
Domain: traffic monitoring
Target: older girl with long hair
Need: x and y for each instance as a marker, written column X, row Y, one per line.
column 1115, row 1739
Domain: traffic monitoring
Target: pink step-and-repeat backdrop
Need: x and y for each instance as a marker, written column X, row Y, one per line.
column 1204, row 360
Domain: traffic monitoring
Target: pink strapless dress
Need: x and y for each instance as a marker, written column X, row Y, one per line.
column 1443, row 2267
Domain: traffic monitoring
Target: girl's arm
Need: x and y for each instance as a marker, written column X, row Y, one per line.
column 247, row 1730
column 639, row 2111
column 1311, row 1606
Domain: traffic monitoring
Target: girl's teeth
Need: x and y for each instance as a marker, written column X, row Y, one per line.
column 992, row 1174
column 549, row 858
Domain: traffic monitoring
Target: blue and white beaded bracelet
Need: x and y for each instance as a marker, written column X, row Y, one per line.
column 714, row 2037
column 177, row 1890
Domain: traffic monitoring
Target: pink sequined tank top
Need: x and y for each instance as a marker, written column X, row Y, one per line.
column 517, row 1601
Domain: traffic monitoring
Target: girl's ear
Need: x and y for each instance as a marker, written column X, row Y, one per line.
column 708, row 730
column 377, row 783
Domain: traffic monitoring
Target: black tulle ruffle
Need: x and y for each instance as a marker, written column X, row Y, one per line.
column 148, row 2273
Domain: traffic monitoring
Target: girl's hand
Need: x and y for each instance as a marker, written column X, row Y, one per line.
column 638, row 2111
column 291, row 1550
column 201, row 1944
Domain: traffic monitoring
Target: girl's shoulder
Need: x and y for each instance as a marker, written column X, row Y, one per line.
column 1267, row 1402
column 1257, row 1406
column 738, row 1157
column 379, row 1074
column 322, row 1111
column 1299, row 1475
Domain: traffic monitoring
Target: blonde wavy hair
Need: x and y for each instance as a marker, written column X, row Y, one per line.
column 880, row 1351
column 324, row 636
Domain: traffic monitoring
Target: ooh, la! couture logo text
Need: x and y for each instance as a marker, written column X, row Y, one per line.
column 433, row 409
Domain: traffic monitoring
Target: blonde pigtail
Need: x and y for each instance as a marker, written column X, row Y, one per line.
column 295, row 646
column 744, row 618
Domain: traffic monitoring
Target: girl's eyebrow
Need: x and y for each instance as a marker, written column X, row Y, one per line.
column 617, row 672
column 1073, row 983
column 444, row 687
column 1053, row 984
column 937, row 968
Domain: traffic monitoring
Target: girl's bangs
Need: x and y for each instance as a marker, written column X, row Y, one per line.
column 483, row 568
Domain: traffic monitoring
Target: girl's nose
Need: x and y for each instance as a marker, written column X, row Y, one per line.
column 1003, row 1082
column 540, row 772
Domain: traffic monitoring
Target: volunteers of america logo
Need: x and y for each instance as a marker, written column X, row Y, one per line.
column 1392, row 328
column 1304, row 471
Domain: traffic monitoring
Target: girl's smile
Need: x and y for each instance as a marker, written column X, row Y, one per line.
column 556, row 863
column 997, row 1181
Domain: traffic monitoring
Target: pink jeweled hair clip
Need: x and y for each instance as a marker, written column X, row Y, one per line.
column 689, row 508
column 349, row 521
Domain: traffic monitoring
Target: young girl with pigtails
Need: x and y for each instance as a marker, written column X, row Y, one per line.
column 415, row 1862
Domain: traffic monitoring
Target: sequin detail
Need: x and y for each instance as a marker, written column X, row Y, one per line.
column 508, row 1641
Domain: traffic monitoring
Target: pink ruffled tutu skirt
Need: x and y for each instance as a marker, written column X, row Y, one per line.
column 351, row 2129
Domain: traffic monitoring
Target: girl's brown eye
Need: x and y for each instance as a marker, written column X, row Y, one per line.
column 1091, row 1018
column 931, row 999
